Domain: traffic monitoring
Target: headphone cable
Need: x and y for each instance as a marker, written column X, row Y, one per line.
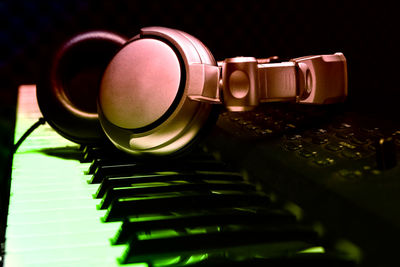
column 41, row 121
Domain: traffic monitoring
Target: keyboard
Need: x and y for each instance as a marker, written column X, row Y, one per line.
column 340, row 165
column 94, row 206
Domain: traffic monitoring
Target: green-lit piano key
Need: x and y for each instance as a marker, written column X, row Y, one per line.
column 223, row 217
column 112, row 182
column 182, row 201
column 172, row 186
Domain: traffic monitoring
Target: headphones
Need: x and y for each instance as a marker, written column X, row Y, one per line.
column 155, row 93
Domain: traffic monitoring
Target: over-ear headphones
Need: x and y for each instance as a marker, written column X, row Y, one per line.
column 162, row 87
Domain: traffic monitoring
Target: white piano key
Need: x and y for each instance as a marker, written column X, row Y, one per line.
column 89, row 255
column 51, row 204
column 60, row 214
column 29, row 194
column 63, row 227
column 62, row 240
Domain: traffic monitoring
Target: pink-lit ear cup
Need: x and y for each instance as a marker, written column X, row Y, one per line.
column 67, row 92
column 143, row 104
column 140, row 84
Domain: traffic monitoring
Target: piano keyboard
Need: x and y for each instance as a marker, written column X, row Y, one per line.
column 196, row 211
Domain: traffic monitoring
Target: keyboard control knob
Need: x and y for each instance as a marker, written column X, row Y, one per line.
column 386, row 153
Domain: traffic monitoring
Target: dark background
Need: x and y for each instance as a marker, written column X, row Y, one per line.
column 364, row 32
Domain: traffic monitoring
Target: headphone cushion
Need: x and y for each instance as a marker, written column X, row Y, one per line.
column 68, row 89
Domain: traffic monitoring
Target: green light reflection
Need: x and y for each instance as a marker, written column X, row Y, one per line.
column 179, row 260
column 312, row 250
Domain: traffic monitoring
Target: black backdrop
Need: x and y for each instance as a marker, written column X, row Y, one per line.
column 364, row 32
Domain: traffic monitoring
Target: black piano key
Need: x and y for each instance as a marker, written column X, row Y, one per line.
column 108, row 161
column 172, row 186
column 131, row 226
column 275, row 241
column 119, row 170
column 91, row 153
column 111, row 159
column 114, row 170
column 328, row 259
column 182, row 201
column 111, row 182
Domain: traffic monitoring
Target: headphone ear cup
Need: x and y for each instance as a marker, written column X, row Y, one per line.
column 144, row 105
column 67, row 91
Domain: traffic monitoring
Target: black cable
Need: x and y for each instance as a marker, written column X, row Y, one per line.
column 41, row 121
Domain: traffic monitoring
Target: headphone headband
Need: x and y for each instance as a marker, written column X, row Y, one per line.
column 245, row 82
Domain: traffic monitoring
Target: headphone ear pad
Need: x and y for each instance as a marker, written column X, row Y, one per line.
column 67, row 91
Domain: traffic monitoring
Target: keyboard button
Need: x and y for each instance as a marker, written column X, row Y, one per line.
column 350, row 154
column 351, row 174
column 319, row 140
column 293, row 145
column 341, row 125
column 324, row 161
column 359, row 139
column 334, row 147
column 344, row 135
column 306, row 153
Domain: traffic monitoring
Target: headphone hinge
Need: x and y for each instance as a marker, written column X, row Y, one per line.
column 240, row 83
column 204, row 82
